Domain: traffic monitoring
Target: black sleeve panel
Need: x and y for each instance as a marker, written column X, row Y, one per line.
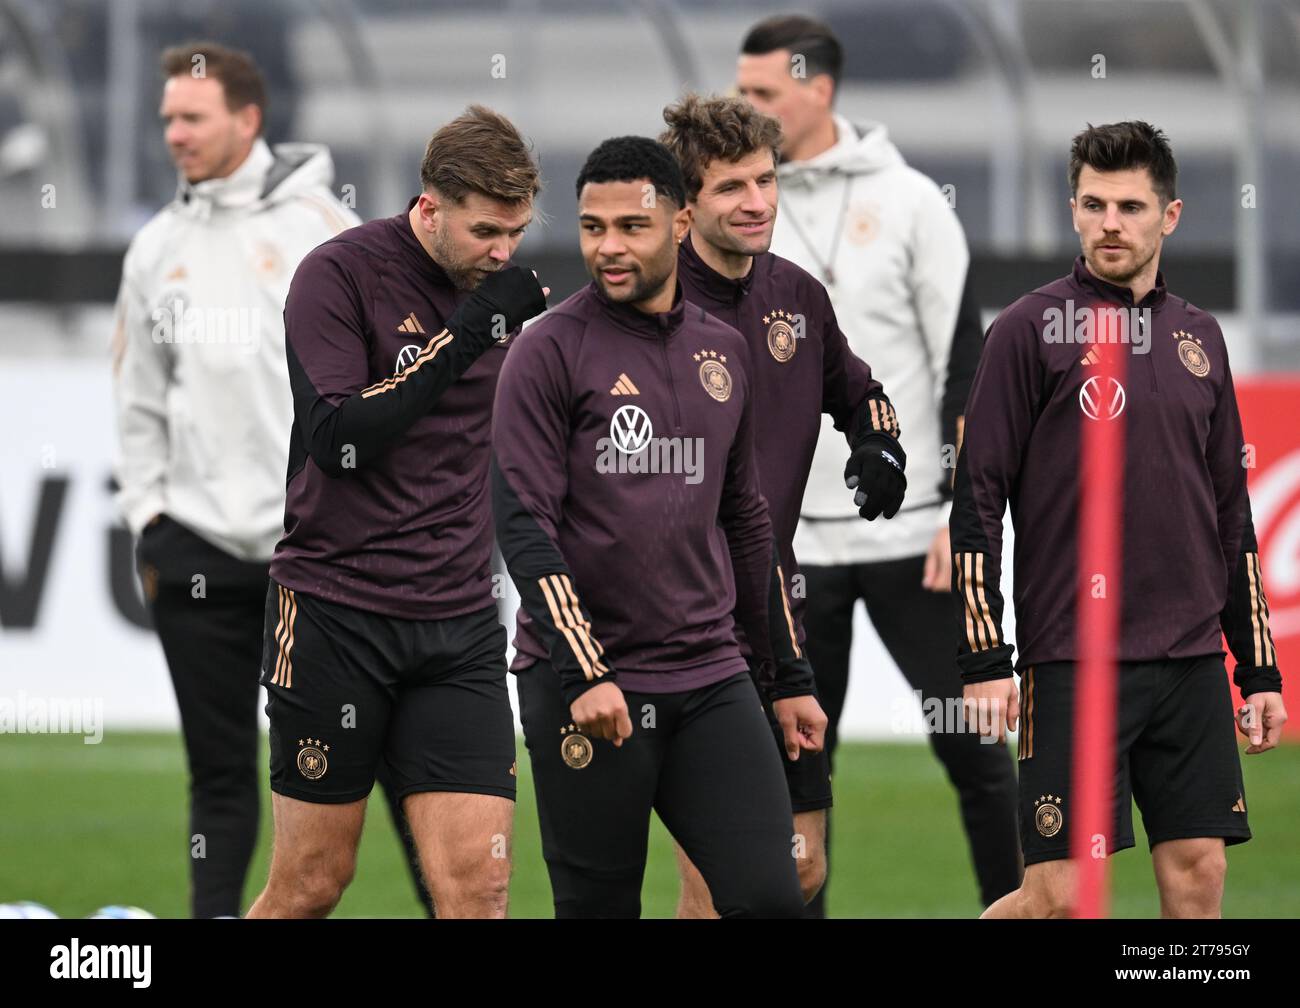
column 793, row 676
column 1245, row 624
column 360, row 430
column 963, row 358
column 545, row 588
column 976, row 589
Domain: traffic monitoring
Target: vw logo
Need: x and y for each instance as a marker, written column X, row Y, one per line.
column 1100, row 402
column 407, row 357
column 630, row 430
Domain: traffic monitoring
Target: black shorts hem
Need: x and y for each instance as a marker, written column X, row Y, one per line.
column 1037, row 857
column 1228, row 836
column 315, row 798
column 427, row 787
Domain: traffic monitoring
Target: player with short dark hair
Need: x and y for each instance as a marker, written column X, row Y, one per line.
column 1191, row 568
column 801, row 367
column 628, row 511
column 382, row 641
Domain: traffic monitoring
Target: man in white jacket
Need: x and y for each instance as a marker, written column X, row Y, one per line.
column 889, row 248
column 203, row 416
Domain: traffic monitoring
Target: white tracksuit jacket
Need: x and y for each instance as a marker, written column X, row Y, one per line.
column 200, row 381
column 898, row 269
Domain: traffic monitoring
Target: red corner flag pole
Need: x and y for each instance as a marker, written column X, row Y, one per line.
column 1102, row 399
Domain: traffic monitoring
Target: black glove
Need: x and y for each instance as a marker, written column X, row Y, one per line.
column 875, row 471
column 503, row 302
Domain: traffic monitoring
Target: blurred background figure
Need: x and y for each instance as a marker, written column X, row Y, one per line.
column 203, row 416
column 891, row 252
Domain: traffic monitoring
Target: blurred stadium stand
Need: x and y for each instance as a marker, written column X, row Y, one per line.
column 982, row 95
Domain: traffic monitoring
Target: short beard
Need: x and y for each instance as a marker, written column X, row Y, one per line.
column 462, row 276
column 1124, row 279
column 644, row 287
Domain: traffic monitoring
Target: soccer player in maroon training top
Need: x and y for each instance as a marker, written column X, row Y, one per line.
column 1190, row 563
column 800, row 366
column 628, row 511
column 382, row 640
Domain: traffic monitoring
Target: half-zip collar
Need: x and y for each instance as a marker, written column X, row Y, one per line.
column 656, row 326
column 723, row 289
column 1085, row 278
column 414, row 252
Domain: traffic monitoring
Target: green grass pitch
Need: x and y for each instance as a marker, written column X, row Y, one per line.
column 82, row 826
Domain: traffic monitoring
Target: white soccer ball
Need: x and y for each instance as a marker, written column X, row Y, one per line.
column 26, row 910
column 121, row 913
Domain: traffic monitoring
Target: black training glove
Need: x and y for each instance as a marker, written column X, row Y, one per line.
column 503, row 302
column 875, row 471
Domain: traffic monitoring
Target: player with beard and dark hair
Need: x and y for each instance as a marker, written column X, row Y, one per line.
column 628, row 510
column 1191, row 568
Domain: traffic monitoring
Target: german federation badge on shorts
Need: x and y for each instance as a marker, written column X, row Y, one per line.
column 574, row 747
column 312, row 763
column 1047, row 815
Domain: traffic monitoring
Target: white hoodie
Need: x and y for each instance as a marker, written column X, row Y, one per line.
column 200, row 380
column 897, row 272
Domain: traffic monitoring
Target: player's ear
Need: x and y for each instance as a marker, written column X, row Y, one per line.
column 428, row 206
column 249, row 120
column 682, row 223
column 1173, row 213
column 1074, row 209
column 824, row 88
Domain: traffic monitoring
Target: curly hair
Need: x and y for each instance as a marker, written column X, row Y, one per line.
column 702, row 130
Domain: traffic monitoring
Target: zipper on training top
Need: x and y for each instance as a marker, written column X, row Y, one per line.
column 672, row 387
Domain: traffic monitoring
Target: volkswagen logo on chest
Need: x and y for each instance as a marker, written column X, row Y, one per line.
column 1102, row 398
column 630, row 430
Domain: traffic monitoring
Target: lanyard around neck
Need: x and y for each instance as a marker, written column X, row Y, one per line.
column 826, row 267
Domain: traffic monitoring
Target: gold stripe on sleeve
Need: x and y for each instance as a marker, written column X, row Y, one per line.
column 789, row 618
column 563, row 628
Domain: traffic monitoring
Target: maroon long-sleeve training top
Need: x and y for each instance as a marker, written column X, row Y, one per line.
column 1190, row 561
column 800, row 367
column 626, row 495
column 387, row 506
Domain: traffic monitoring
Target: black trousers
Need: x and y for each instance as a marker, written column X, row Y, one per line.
column 916, row 626
column 208, row 609
column 702, row 759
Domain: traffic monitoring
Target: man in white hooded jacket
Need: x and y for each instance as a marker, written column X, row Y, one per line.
column 203, row 418
column 890, row 250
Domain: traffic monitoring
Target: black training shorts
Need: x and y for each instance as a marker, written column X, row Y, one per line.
column 348, row 688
